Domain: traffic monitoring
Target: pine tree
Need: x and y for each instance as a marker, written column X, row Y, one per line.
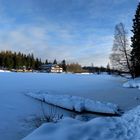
column 37, row 64
column 135, row 53
column 108, row 69
column 55, row 61
column 46, row 62
column 64, row 67
column 32, row 61
column 14, row 60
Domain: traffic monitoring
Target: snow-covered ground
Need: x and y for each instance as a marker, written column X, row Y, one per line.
column 4, row 70
column 135, row 83
column 126, row 127
column 16, row 109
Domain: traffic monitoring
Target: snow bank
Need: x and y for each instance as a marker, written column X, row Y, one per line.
column 132, row 83
column 76, row 103
column 126, row 127
column 4, row 71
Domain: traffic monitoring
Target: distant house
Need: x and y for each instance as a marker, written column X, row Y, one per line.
column 54, row 68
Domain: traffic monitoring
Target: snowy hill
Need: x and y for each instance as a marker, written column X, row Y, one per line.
column 135, row 83
column 126, row 127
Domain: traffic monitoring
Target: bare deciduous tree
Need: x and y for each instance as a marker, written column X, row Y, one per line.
column 120, row 56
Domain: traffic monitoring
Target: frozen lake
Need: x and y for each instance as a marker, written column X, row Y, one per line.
column 15, row 107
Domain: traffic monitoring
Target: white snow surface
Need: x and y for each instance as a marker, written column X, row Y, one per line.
column 4, row 70
column 18, row 111
column 126, row 127
column 135, row 83
column 76, row 103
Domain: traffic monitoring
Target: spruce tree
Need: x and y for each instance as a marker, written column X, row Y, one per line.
column 108, row 69
column 46, row 62
column 64, row 66
column 55, row 61
column 135, row 53
column 37, row 64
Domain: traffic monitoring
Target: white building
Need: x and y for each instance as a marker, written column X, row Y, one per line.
column 54, row 68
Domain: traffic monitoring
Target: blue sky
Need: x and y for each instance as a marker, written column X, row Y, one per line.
column 75, row 30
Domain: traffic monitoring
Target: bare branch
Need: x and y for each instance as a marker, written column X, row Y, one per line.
column 120, row 57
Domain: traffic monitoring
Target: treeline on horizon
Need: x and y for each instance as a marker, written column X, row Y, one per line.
column 17, row 60
column 14, row 60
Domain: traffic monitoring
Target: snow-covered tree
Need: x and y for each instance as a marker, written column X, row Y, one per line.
column 120, row 56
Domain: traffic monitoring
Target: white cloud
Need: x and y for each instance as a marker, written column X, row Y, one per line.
column 24, row 39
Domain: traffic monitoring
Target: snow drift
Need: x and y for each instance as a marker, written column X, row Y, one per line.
column 76, row 103
column 4, row 71
column 132, row 83
column 126, row 127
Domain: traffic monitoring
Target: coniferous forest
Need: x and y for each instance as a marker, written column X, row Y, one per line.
column 13, row 60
